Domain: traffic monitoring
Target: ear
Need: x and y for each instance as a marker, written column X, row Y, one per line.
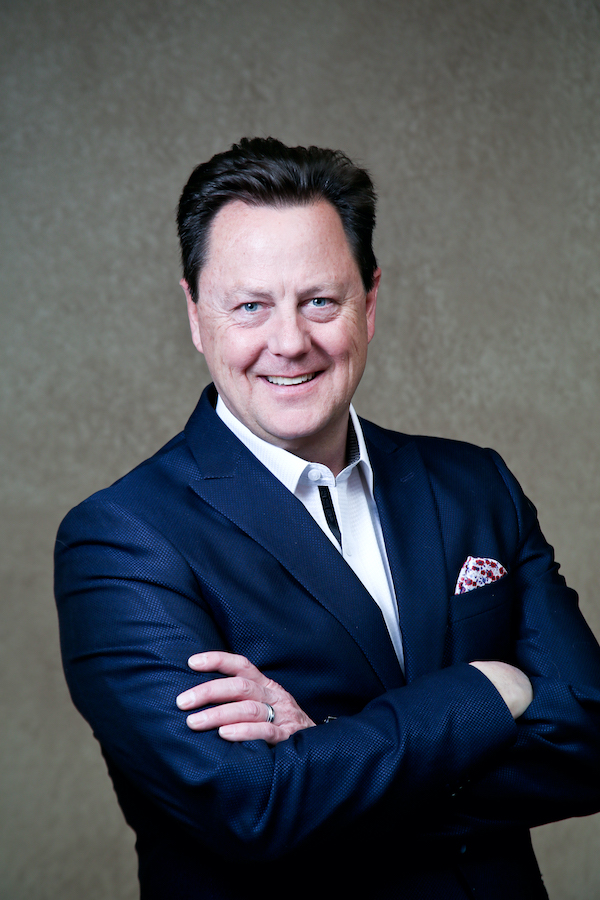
column 192, row 311
column 371, row 304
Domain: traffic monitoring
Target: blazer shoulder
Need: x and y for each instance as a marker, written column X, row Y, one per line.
column 160, row 478
column 176, row 462
column 458, row 472
column 435, row 451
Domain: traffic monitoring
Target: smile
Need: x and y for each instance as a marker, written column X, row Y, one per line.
column 300, row 379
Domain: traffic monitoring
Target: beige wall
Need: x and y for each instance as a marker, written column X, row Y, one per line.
column 480, row 121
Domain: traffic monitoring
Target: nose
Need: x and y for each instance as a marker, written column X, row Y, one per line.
column 289, row 335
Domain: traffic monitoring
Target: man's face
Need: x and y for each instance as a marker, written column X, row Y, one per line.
column 284, row 321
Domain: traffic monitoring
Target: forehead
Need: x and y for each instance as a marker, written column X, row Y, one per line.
column 242, row 234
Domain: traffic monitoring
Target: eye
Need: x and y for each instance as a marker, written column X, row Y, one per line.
column 319, row 302
column 251, row 307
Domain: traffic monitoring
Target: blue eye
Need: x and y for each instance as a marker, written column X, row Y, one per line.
column 319, row 301
column 250, row 307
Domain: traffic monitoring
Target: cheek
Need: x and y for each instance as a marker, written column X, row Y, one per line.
column 236, row 351
column 351, row 345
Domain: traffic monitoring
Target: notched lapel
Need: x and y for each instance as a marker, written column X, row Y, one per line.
column 415, row 550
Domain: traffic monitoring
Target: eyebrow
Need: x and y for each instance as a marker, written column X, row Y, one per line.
column 256, row 294
column 315, row 290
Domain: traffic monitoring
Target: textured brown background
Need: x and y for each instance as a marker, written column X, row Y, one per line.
column 480, row 121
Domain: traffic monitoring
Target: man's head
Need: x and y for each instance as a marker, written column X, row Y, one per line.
column 265, row 172
column 283, row 301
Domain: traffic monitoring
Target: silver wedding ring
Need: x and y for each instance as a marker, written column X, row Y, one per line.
column 270, row 712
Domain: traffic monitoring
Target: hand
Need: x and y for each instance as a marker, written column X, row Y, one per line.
column 238, row 703
column 513, row 685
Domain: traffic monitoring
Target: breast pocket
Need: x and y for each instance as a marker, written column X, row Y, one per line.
column 481, row 624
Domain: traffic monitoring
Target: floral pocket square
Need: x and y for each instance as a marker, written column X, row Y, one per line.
column 477, row 571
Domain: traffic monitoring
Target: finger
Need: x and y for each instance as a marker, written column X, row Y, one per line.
column 246, row 712
column 253, row 731
column 220, row 690
column 227, row 664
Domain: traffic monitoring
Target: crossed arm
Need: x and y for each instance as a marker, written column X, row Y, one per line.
column 237, row 705
column 410, row 742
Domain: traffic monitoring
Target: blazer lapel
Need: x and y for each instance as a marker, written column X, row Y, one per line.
column 235, row 483
column 413, row 540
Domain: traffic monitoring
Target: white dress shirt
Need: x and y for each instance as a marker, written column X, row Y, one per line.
column 362, row 545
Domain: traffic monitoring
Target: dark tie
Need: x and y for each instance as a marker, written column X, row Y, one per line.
column 330, row 515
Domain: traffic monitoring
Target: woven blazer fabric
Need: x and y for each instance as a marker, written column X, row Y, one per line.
column 423, row 785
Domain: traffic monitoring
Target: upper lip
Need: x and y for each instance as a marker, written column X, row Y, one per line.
column 289, row 374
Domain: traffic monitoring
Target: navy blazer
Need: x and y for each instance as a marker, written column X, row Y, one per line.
column 423, row 785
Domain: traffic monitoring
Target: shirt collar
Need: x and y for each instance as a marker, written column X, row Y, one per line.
column 289, row 468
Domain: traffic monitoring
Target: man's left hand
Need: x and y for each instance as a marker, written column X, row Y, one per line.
column 240, row 704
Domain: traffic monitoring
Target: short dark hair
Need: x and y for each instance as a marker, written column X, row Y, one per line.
column 265, row 172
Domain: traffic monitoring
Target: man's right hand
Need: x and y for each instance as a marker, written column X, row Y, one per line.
column 513, row 685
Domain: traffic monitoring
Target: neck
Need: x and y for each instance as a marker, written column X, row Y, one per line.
column 332, row 451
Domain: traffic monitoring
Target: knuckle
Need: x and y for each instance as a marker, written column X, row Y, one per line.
column 258, row 709
column 245, row 687
column 205, row 691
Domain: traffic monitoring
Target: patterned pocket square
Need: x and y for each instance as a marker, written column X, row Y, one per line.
column 477, row 571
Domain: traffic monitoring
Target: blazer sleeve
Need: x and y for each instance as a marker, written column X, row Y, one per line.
column 552, row 771
column 131, row 613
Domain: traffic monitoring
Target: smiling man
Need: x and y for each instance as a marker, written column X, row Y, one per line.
column 395, row 682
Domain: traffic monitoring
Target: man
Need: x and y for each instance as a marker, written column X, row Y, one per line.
column 396, row 684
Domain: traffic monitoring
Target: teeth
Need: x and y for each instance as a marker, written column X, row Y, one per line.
column 274, row 379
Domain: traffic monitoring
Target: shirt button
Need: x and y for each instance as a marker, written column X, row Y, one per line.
column 314, row 474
